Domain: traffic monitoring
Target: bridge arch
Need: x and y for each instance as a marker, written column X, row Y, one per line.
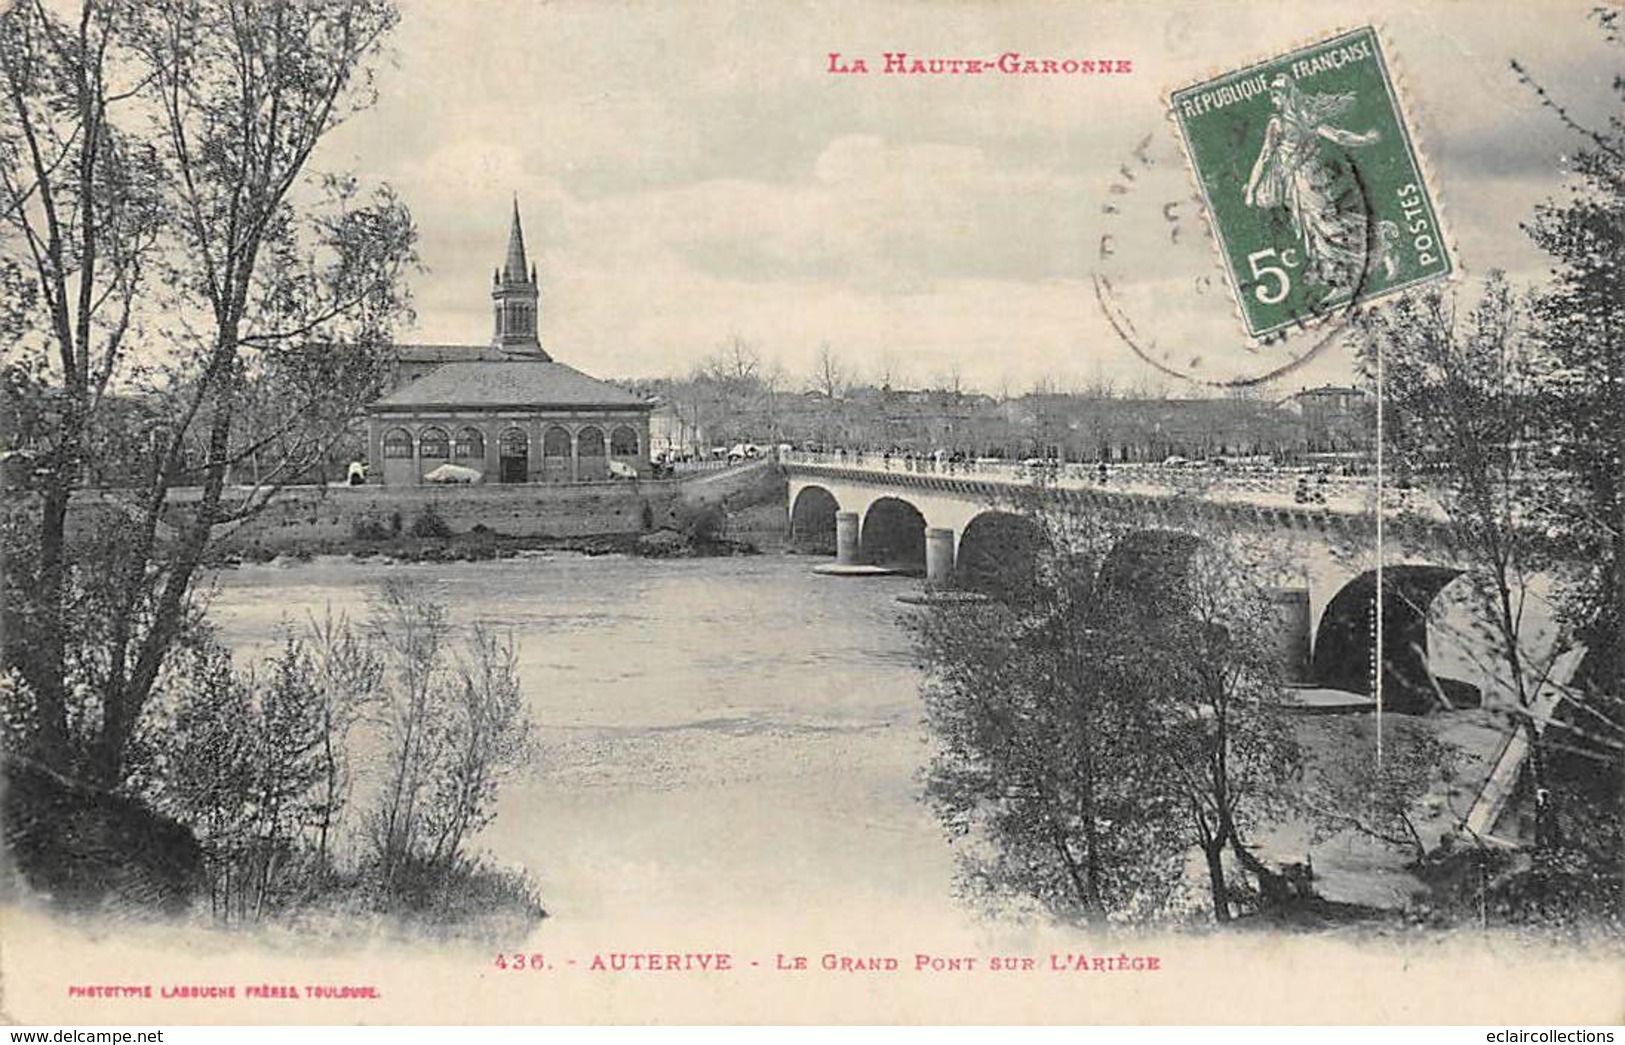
column 812, row 521
column 1000, row 553
column 893, row 534
column 1346, row 637
column 1151, row 569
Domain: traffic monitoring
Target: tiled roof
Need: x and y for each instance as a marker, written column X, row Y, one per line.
column 510, row 385
column 445, row 353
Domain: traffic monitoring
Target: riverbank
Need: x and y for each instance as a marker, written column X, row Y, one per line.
column 722, row 514
column 483, row 545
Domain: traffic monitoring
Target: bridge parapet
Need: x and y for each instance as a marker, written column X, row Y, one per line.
column 1282, row 488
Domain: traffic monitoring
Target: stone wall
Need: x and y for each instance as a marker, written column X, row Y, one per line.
column 308, row 516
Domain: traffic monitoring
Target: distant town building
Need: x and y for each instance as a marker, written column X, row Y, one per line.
column 1336, row 418
column 673, row 432
column 506, row 410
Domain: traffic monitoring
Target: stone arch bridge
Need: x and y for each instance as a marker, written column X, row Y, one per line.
column 968, row 524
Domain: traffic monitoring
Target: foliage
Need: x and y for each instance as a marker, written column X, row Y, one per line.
column 701, row 521
column 489, row 738
column 1033, row 775
column 1198, row 652
column 260, row 765
column 1463, row 403
column 1350, row 790
column 239, row 761
column 1094, row 732
column 430, row 523
column 369, row 528
column 175, row 279
column 1578, row 892
column 1579, row 324
column 1510, row 410
column 453, row 726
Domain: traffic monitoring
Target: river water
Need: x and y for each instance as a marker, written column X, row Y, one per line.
column 722, row 741
column 729, row 763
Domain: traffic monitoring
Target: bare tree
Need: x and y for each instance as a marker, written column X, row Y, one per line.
column 454, row 725
column 829, row 375
column 411, row 632
column 490, row 738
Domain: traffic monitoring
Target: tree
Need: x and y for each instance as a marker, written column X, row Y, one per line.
column 1464, row 408
column 202, row 765
column 347, row 673
column 829, row 375
column 1350, row 790
column 1509, row 410
column 1192, row 648
column 83, row 211
column 161, row 223
column 1579, row 323
column 1099, row 725
column 411, row 631
column 1029, row 776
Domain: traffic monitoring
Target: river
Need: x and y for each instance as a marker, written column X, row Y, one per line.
column 729, row 760
column 722, row 741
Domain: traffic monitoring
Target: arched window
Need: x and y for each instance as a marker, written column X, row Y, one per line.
column 470, row 444
column 514, row 444
column 590, row 442
column 623, row 441
column 434, row 443
column 398, row 443
column 555, row 442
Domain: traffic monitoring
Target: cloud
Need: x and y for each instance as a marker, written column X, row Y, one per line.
column 690, row 170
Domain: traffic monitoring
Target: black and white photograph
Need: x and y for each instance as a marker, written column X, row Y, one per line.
column 551, row 512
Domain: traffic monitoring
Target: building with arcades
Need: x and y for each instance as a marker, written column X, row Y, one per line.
column 507, row 410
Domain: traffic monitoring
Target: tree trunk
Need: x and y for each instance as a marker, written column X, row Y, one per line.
column 1215, row 877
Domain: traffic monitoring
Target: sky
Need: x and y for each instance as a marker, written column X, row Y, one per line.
column 691, row 172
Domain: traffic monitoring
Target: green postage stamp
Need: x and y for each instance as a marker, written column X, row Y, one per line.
column 1312, row 182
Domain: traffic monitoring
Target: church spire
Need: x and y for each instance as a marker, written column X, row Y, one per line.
column 515, row 269
column 514, row 299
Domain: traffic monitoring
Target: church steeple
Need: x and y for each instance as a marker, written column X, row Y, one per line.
column 514, row 271
column 514, row 294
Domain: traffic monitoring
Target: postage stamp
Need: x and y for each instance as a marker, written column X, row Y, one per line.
column 1312, row 182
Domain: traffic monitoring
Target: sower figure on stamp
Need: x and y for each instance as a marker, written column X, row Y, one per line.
column 1290, row 172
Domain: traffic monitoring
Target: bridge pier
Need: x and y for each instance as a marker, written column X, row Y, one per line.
column 939, row 556
column 1291, row 632
column 846, row 538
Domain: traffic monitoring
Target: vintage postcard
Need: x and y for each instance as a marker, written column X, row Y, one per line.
column 820, row 512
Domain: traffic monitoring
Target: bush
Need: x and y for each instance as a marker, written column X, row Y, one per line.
column 257, row 765
column 458, row 892
column 703, row 523
column 369, row 528
column 430, row 523
column 1561, row 890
